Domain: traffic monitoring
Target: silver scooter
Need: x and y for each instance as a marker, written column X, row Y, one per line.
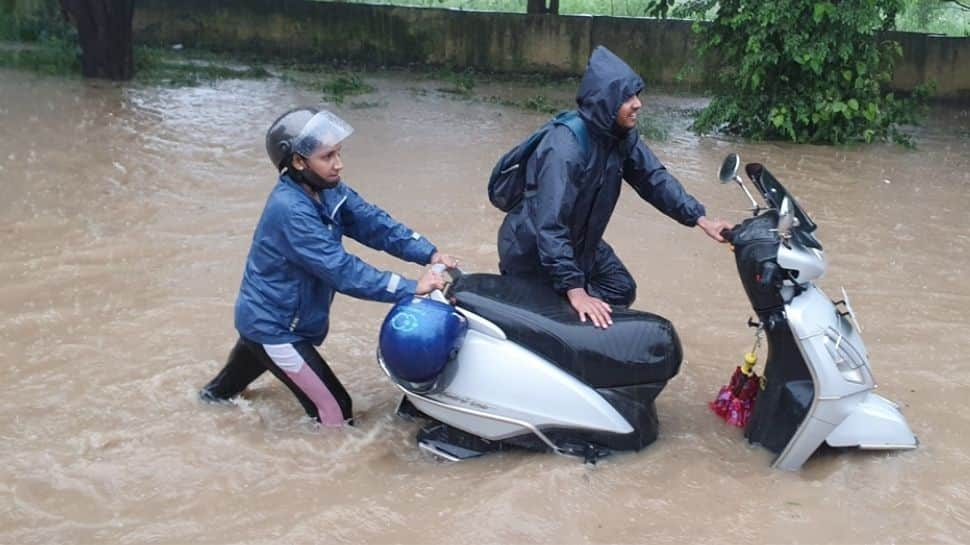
column 529, row 374
column 818, row 385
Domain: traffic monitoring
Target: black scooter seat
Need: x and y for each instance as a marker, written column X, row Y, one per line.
column 639, row 348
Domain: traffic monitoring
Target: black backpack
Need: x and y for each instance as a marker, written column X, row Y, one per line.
column 506, row 185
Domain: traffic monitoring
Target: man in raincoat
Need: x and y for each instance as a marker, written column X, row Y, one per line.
column 297, row 263
column 556, row 232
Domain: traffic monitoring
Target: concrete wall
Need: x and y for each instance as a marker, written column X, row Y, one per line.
column 933, row 58
column 500, row 42
column 658, row 50
column 300, row 29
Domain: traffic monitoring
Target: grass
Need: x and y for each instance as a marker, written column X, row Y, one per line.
column 338, row 88
column 181, row 69
column 59, row 56
column 44, row 47
column 51, row 56
column 541, row 104
column 459, row 83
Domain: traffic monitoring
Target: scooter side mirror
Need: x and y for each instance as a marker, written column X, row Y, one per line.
column 729, row 168
column 729, row 173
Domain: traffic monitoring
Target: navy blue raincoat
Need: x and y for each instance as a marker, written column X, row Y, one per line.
column 297, row 262
column 557, row 230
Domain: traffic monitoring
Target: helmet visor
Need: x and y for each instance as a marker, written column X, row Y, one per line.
column 323, row 130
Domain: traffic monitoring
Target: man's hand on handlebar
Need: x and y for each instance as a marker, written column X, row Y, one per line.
column 430, row 281
column 714, row 227
column 444, row 259
column 588, row 306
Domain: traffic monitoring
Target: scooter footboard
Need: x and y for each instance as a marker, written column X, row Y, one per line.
column 877, row 424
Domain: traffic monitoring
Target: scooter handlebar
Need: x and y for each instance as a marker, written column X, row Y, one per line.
column 728, row 234
column 452, row 275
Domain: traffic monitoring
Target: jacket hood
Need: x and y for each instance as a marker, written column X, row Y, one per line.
column 606, row 85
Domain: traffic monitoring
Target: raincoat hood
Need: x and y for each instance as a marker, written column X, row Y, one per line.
column 607, row 84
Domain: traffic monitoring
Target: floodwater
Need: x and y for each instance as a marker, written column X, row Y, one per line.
column 125, row 218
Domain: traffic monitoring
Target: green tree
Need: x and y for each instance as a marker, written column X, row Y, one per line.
column 949, row 17
column 805, row 71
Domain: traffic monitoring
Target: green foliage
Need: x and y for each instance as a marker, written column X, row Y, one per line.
column 459, row 83
column 806, row 71
column 946, row 16
column 188, row 69
column 48, row 46
column 37, row 24
column 52, row 56
column 541, row 104
column 652, row 128
column 344, row 85
column 949, row 17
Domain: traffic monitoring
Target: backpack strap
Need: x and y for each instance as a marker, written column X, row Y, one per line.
column 575, row 123
column 571, row 120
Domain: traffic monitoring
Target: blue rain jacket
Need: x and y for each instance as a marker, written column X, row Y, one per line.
column 297, row 262
column 570, row 195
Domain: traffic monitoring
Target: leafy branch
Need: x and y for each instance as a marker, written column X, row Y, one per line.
column 806, row 71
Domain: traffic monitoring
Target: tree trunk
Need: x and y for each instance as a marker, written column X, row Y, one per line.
column 554, row 7
column 104, row 34
column 535, row 6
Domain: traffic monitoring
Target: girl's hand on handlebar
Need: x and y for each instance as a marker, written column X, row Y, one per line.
column 714, row 227
column 588, row 306
column 444, row 259
column 429, row 282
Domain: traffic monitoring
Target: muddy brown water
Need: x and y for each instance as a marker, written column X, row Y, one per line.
column 125, row 218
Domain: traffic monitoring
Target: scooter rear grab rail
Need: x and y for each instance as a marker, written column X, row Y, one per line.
column 441, row 295
column 586, row 455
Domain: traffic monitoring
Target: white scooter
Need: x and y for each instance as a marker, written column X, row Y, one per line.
column 530, row 374
column 818, row 385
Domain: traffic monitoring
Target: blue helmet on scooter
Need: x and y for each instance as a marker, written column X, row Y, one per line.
column 418, row 338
